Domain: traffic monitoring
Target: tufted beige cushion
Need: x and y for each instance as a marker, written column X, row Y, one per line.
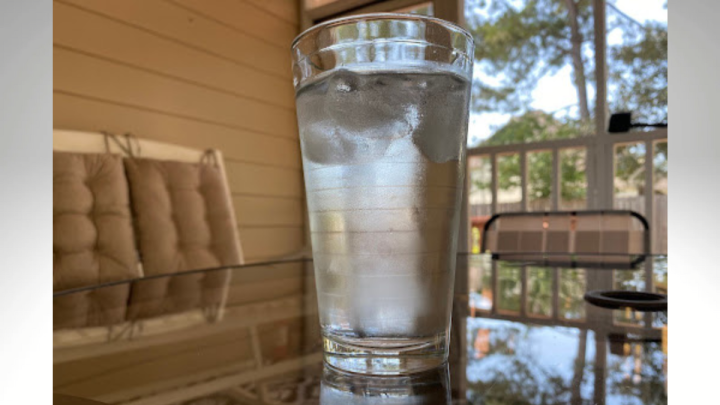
column 184, row 222
column 92, row 238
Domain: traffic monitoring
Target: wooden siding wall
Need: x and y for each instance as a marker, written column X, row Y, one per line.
column 199, row 73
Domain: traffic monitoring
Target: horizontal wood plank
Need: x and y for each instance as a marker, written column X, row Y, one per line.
column 284, row 9
column 170, row 21
column 82, row 74
column 245, row 178
column 265, row 243
column 255, row 22
column 125, row 44
column 85, row 114
column 264, row 211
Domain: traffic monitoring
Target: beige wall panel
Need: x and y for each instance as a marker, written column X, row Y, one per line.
column 255, row 22
column 192, row 29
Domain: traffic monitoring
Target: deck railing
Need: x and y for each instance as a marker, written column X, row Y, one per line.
column 599, row 172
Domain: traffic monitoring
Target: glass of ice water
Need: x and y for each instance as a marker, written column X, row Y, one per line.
column 431, row 387
column 382, row 106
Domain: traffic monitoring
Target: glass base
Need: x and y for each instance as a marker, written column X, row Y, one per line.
column 385, row 356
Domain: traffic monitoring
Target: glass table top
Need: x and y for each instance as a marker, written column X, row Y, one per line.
column 522, row 333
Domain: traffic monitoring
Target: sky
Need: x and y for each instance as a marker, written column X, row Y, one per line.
column 556, row 92
column 543, row 347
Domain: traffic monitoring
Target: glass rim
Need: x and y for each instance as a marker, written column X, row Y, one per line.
column 384, row 16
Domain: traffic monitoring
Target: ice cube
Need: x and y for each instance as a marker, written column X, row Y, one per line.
column 327, row 143
column 443, row 127
column 367, row 106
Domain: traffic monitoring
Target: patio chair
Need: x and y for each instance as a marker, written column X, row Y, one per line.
column 580, row 237
column 169, row 210
column 185, row 221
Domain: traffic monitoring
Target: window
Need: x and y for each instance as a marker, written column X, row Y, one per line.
column 479, row 197
column 573, row 179
column 630, row 177
column 509, row 193
column 539, row 180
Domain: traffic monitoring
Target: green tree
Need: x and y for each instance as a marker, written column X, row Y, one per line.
column 517, row 43
column 652, row 390
column 638, row 72
column 516, row 376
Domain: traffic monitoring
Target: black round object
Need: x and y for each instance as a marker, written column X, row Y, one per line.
column 640, row 301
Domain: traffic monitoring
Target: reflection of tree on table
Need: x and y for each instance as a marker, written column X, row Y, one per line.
column 638, row 373
column 514, row 375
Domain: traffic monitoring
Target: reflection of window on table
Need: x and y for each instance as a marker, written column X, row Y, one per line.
column 480, row 283
column 660, row 275
column 660, row 286
column 628, row 280
column 509, row 289
column 572, row 290
column 539, row 292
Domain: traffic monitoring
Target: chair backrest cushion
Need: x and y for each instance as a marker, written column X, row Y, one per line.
column 184, row 221
column 92, row 237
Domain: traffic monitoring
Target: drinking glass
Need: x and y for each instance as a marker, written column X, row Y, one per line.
column 431, row 387
column 382, row 106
